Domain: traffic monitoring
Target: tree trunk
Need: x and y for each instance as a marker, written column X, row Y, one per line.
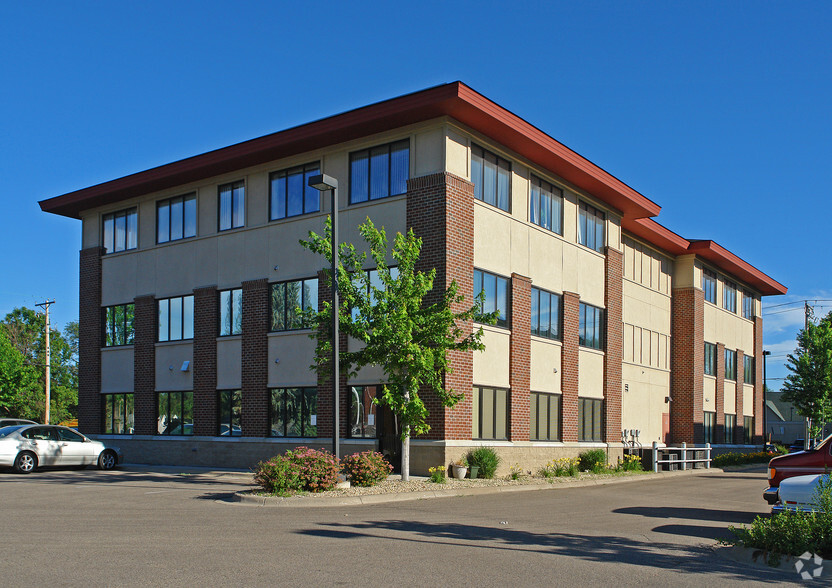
column 406, row 443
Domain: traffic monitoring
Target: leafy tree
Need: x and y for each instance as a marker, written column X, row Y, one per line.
column 401, row 333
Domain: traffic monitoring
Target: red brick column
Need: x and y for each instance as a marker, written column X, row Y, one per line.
column 144, row 364
column 739, row 423
column 759, row 434
column 440, row 210
column 520, row 345
column 719, row 396
column 687, row 365
column 569, row 366
column 206, row 305
column 325, row 379
column 254, row 358
column 90, row 334
column 614, row 353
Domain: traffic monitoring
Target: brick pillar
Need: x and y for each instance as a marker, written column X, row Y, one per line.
column 520, row 344
column 206, row 305
column 144, row 364
column 687, row 365
column 90, row 333
column 739, row 422
column 325, row 379
column 759, row 384
column 569, row 366
column 614, row 354
column 440, row 210
column 254, row 358
column 719, row 396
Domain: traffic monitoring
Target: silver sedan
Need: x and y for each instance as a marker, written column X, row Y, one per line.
column 27, row 447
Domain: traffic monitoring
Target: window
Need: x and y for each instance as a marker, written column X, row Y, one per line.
column 729, row 296
column 748, row 430
column 118, row 414
column 492, row 178
column 230, row 413
column 591, row 227
column 291, row 194
column 231, row 312
column 545, row 417
column 496, row 295
column 379, row 172
column 175, row 412
column 747, row 304
column 748, row 369
column 232, row 205
column 176, row 218
column 176, row 318
column 490, row 413
column 730, row 421
column 709, row 420
column 121, row 230
column 589, row 419
column 289, row 299
column 591, row 326
column 710, row 359
column 374, row 281
column 118, row 325
column 294, row 412
column 546, row 205
column 730, row 365
column 363, row 411
column 545, row 319
column 709, row 285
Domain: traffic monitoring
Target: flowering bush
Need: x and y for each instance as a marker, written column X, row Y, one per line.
column 300, row 469
column 630, row 463
column 277, row 476
column 437, row 474
column 367, row 468
column 593, row 460
column 565, row 466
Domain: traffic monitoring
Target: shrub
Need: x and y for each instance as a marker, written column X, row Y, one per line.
column 300, row 469
column 367, row 468
column 594, row 460
column 437, row 474
column 277, row 476
column 565, row 466
column 630, row 463
column 731, row 459
column 486, row 459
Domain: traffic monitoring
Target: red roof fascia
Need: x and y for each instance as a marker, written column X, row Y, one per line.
column 724, row 259
column 656, row 234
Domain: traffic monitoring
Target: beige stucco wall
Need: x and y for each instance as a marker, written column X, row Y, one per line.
column 456, row 153
column 117, row 369
column 169, row 360
column 545, row 365
column 730, row 397
column 295, row 351
column 590, row 373
column 747, row 400
column 709, row 394
column 229, row 354
column 643, row 400
column 491, row 367
column 728, row 328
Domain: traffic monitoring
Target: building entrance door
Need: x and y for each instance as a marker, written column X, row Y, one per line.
column 389, row 438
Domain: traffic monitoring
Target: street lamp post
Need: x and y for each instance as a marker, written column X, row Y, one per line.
column 323, row 183
column 765, row 385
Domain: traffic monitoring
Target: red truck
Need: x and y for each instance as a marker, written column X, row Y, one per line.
column 812, row 462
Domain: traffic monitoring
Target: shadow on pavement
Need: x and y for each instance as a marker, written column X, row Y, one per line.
column 697, row 514
column 126, row 476
column 701, row 531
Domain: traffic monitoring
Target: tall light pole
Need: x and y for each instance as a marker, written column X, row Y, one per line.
column 323, row 183
column 45, row 306
column 765, row 385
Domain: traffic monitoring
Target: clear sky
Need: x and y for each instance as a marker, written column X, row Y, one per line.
column 717, row 111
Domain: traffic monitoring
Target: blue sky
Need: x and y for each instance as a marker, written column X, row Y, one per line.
column 717, row 111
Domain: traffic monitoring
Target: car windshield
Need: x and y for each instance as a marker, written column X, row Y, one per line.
column 6, row 430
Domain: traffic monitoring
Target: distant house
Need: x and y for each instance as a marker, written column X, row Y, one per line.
column 783, row 423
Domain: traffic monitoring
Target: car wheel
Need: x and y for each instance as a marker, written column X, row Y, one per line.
column 25, row 463
column 107, row 460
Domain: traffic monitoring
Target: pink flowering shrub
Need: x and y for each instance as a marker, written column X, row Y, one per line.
column 299, row 469
column 367, row 468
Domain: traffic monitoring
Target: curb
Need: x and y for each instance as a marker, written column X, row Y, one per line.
column 756, row 558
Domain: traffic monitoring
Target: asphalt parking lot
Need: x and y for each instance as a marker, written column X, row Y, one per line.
column 167, row 526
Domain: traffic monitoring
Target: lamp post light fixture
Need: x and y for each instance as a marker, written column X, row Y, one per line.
column 325, row 183
column 765, row 385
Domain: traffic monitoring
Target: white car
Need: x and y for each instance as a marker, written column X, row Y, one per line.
column 27, row 447
column 799, row 492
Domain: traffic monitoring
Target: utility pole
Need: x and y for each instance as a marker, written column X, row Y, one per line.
column 807, row 311
column 45, row 306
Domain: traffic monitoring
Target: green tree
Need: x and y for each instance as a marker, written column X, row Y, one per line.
column 401, row 332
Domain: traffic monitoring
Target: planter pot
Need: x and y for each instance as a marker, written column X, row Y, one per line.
column 459, row 472
column 474, row 471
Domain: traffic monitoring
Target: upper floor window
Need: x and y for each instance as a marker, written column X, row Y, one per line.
column 379, row 172
column 492, row 178
column 118, row 325
column 709, row 285
column 730, row 365
column 546, row 205
column 710, row 359
column 591, row 326
column 176, row 318
column 496, row 295
column 729, row 296
column 748, row 369
column 232, row 205
column 591, row 227
column 176, row 218
column 545, row 319
column 231, row 312
column 121, row 230
column 374, row 283
column 291, row 194
column 747, row 304
column 288, row 299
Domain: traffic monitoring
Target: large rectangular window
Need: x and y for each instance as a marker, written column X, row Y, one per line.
column 747, row 304
column 546, row 312
column 121, row 230
column 496, row 290
column 709, row 285
column 729, row 296
column 379, row 172
column 546, row 205
column 176, row 218
column 748, row 375
column 730, row 364
column 545, row 419
column 118, row 325
column 291, row 194
column 590, row 419
column 492, row 178
column 590, row 326
column 176, row 318
column 374, row 284
column 175, row 413
column 710, row 359
column 230, row 411
column 118, row 414
column 232, row 199
column 591, row 227
column 748, row 430
column 289, row 299
column 490, row 413
column 294, row 412
column 363, row 412
column 730, row 422
column 231, row 312
column 708, row 422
